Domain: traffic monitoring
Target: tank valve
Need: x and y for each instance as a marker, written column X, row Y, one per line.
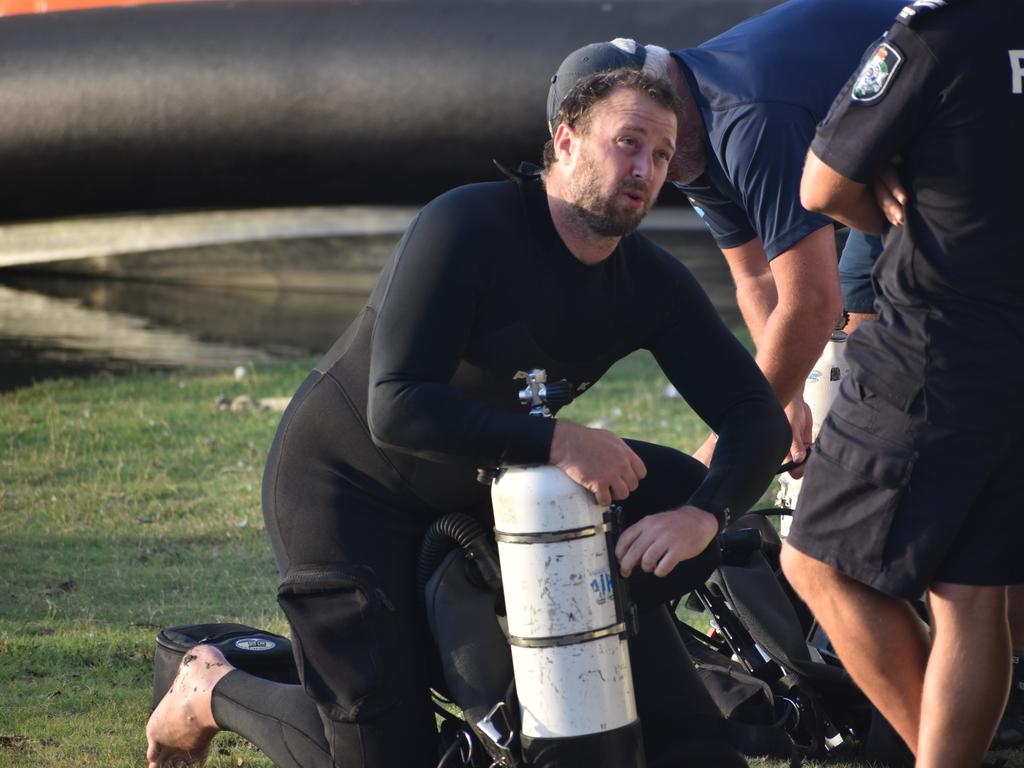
column 543, row 397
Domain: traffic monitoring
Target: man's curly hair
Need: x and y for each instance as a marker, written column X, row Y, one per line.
column 577, row 106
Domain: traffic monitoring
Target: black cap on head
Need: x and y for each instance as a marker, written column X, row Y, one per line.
column 588, row 60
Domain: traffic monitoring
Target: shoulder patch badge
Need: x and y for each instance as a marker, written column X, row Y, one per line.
column 877, row 73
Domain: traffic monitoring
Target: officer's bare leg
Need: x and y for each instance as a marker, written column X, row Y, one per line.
column 880, row 640
column 1015, row 612
column 181, row 727
column 968, row 675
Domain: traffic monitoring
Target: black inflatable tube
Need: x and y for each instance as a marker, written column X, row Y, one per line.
column 212, row 105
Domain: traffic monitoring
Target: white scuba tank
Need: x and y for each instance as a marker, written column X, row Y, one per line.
column 566, row 623
column 820, row 389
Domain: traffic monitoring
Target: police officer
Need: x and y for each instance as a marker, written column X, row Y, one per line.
column 752, row 98
column 855, row 266
column 914, row 482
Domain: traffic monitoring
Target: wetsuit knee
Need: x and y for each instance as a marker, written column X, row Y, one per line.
column 345, row 632
column 361, row 659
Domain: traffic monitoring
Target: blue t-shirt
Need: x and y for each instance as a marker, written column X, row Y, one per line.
column 762, row 88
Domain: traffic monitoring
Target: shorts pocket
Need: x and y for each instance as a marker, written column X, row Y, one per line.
column 341, row 622
column 851, row 493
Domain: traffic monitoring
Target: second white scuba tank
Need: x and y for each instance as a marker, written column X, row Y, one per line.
column 568, row 616
column 820, row 389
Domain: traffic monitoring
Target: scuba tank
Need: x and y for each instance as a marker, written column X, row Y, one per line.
column 823, row 381
column 820, row 390
column 568, row 612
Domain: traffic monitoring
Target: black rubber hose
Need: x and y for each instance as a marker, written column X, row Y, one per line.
column 457, row 530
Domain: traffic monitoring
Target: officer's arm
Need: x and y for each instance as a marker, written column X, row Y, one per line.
column 827, row 191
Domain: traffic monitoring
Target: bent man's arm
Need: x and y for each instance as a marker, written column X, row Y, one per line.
column 785, row 267
column 790, row 304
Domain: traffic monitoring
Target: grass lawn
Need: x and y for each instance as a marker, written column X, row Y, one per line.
column 129, row 504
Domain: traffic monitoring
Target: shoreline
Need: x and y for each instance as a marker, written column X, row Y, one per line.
column 240, row 248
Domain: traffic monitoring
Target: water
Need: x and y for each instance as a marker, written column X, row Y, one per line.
column 53, row 324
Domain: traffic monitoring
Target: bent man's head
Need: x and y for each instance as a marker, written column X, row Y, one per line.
column 613, row 138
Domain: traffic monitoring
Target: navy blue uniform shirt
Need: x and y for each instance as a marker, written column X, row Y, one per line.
column 762, row 87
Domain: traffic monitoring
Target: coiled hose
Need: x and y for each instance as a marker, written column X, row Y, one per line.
column 457, row 530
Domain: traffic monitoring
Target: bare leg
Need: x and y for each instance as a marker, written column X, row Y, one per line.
column 181, row 727
column 968, row 675
column 1011, row 728
column 880, row 640
column 1015, row 611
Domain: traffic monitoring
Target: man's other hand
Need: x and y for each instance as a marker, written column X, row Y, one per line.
column 799, row 415
column 658, row 543
column 598, row 460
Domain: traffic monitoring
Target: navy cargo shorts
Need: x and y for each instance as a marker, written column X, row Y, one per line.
column 855, row 264
column 897, row 503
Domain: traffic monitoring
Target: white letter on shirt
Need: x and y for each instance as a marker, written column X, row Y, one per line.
column 1017, row 71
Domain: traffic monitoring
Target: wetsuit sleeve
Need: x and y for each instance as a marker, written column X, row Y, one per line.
column 880, row 108
column 764, row 160
column 719, row 379
column 424, row 323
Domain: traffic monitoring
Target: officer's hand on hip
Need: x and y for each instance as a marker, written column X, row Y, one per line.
column 597, row 459
column 658, row 543
column 890, row 194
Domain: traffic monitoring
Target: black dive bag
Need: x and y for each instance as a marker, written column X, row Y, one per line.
column 769, row 666
column 257, row 651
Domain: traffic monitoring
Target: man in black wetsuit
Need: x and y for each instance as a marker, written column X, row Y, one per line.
column 915, row 481
column 386, row 435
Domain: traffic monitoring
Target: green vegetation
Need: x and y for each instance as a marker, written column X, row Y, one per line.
column 129, row 504
column 126, row 504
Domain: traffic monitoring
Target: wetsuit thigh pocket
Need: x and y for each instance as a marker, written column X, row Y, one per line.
column 851, row 493
column 342, row 622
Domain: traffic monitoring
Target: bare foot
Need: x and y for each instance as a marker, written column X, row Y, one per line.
column 181, row 727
